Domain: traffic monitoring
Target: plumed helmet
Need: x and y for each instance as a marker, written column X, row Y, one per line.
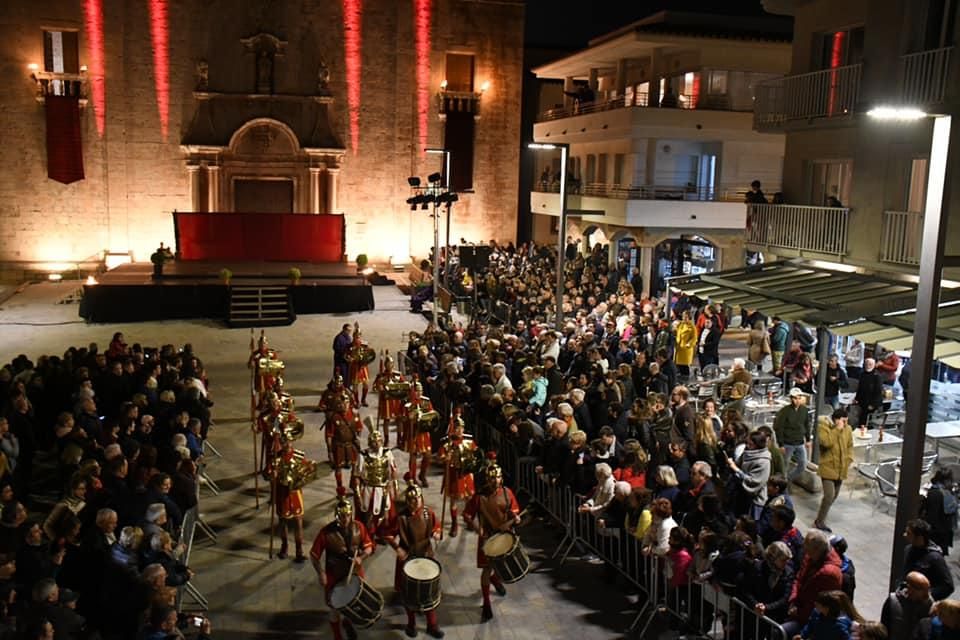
column 375, row 439
column 413, row 490
column 344, row 505
column 338, row 380
column 388, row 361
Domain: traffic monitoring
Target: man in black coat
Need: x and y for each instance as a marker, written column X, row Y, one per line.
column 925, row 557
column 869, row 396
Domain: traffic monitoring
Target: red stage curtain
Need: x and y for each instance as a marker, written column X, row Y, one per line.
column 458, row 138
column 64, row 148
column 286, row 237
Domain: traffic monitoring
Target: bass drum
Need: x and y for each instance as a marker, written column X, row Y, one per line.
column 421, row 584
column 507, row 557
column 357, row 601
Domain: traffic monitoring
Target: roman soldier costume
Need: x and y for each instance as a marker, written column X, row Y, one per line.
column 342, row 543
column 267, row 370
column 377, row 479
column 358, row 356
column 391, row 390
column 290, row 473
column 459, row 453
column 333, row 396
column 344, row 427
column 496, row 510
column 416, row 426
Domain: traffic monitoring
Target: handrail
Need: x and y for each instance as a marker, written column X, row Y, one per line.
column 803, row 228
column 650, row 192
column 900, row 240
column 924, row 75
column 826, row 93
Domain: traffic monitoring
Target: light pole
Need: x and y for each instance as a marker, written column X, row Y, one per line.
column 562, row 234
column 446, row 187
column 925, row 322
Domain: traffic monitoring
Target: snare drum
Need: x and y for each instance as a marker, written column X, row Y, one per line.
column 421, row 584
column 507, row 557
column 357, row 601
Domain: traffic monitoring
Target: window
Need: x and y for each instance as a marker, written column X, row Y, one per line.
column 618, row 169
column 830, row 179
column 939, row 23
column 917, row 185
column 839, row 48
column 591, row 169
column 460, row 72
column 602, row 168
column 717, row 83
column 60, row 52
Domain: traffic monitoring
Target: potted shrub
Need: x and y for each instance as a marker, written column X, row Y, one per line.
column 295, row 275
column 362, row 261
column 226, row 275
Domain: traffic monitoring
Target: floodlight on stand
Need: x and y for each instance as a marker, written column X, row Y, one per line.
column 413, row 181
column 903, row 114
column 433, row 178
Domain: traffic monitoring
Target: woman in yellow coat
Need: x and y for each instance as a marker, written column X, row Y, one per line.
column 686, row 334
column 836, row 456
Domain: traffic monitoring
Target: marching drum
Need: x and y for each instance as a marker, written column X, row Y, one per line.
column 357, row 601
column 507, row 557
column 421, row 584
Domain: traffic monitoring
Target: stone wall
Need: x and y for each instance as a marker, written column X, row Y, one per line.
column 135, row 177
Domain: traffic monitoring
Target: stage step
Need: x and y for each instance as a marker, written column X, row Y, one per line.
column 256, row 306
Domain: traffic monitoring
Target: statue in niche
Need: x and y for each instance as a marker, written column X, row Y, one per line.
column 323, row 78
column 203, row 76
column 264, row 71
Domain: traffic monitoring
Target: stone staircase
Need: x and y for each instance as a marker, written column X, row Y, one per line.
column 260, row 305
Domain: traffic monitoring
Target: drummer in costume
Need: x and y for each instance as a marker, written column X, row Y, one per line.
column 497, row 510
column 389, row 407
column 359, row 355
column 332, row 397
column 459, row 453
column 290, row 473
column 411, row 535
column 415, row 426
column 344, row 427
column 377, row 479
column 345, row 541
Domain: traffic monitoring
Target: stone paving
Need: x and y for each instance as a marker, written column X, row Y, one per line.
column 253, row 597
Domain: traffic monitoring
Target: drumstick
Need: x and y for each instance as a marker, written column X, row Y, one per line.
column 353, row 563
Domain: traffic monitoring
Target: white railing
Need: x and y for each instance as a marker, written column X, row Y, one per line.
column 923, row 76
column 802, row 228
column 821, row 94
column 902, row 232
column 647, row 192
column 637, row 99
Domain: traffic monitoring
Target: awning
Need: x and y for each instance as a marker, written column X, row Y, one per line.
column 874, row 307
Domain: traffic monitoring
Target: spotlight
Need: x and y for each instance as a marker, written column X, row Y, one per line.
column 424, row 207
column 435, row 177
column 447, row 198
column 413, row 181
column 55, row 277
column 427, row 198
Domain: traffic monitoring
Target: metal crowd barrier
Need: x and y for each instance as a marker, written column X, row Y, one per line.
column 190, row 520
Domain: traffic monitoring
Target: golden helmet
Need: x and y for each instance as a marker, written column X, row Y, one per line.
column 344, row 505
column 413, row 491
column 338, row 380
column 375, row 439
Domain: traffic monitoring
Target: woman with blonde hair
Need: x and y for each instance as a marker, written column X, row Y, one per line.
column 705, row 443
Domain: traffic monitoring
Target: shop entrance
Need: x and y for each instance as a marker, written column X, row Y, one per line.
column 687, row 255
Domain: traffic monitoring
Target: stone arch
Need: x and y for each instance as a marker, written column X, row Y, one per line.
column 266, row 137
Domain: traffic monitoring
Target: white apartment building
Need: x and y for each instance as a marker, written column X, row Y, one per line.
column 658, row 117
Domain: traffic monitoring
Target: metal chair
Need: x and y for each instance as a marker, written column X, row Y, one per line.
column 886, row 480
column 929, row 459
column 711, row 372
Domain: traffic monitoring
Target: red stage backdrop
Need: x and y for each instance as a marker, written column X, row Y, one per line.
column 286, row 237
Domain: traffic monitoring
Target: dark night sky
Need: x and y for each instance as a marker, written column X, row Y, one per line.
column 570, row 24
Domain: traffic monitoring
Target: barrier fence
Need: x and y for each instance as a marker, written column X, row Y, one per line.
column 700, row 606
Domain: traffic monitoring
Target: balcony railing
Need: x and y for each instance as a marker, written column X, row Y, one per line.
column 923, row 76
column 458, row 101
column 50, row 83
column 638, row 99
column 802, row 228
column 648, row 192
column 902, row 232
column 822, row 94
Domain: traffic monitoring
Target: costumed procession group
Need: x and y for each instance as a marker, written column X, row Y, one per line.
column 371, row 509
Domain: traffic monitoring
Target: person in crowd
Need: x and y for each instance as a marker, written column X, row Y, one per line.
column 656, row 540
column 751, row 472
column 924, row 556
column 758, row 345
column 779, row 341
column 686, row 343
column 939, row 508
column 755, row 195
column 833, row 618
column 738, row 374
column 790, row 427
column 819, row 572
column 835, row 439
column 943, row 623
column 836, row 382
column 708, row 344
column 769, row 590
column 853, row 359
column 905, row 608
column 869, row 396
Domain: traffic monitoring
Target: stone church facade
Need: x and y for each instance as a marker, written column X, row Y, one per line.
column 313, row 106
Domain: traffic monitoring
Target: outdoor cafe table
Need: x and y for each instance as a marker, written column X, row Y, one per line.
column 863, row 447
column 756, row 411
column 938, row 431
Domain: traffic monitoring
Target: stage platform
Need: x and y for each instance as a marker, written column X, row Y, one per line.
column 193, row 289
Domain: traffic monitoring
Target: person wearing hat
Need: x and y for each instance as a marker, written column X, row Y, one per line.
column 411, row 535
column 389, row 410
column 494, row 510
column 291, row 472
column 790, row 426
column 342, row 543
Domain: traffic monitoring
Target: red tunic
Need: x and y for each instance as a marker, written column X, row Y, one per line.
column 457, row 484
column 414, row 534
column 339, row 552
column 389, row 408
column 496, row 513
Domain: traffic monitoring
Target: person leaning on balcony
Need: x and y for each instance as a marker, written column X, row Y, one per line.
column 755, row 195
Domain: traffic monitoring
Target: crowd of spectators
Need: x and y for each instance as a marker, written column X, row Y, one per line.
column 600, row 403
column 99, row 458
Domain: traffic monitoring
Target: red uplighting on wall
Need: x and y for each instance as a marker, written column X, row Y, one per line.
column 836, row 60
column 93, row 14
column 422, row 10
column 695, row 91
column 160, row 36
column 352, row 12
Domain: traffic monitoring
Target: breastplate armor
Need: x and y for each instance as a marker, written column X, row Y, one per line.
column 376, row 469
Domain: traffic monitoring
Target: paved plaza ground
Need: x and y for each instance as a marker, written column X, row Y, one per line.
column 253, row 597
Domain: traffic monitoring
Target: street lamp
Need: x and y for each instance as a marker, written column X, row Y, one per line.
column 925, row 322
column 562, row 234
